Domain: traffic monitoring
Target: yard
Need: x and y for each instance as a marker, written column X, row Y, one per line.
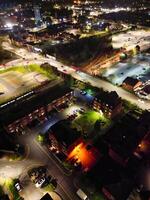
column 89, row 121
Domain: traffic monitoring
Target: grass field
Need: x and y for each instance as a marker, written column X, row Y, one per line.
column 18, row 80
column 86, row 121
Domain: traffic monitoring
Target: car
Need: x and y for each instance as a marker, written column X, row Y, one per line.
column 81, row 112
column 75, row 111
column 82, row 109
column 1, row 93
column 81, row 194
column 83, row 92
column 18, row 187
column 37, row 172
column 40, row 182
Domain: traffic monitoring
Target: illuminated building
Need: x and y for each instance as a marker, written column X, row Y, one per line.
column 84, row 154
column 38, row 112
column 109, row 103
column 131, row 83
column 77, row 2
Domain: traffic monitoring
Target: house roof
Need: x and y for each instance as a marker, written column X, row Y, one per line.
column 130, row 81
column 38, row 100
column 110, row 98
column 147, row 89
column 64, row 133
column 46, row 197
column 111, row 176
column 125, row 135
column 120, row 190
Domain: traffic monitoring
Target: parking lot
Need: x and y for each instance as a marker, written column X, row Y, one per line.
column 138, row 67
column 132, row 38
column 15, row 83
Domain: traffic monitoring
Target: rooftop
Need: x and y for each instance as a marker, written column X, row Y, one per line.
column 131, row 81
column 46, row 197
column 125, row 135
column 116, row 179
column 38, row 100
column 110, row 98
column 64, row 133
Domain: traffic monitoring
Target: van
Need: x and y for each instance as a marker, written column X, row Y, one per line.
column 81, row 194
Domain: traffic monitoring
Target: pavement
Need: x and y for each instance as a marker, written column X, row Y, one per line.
column 94, row 81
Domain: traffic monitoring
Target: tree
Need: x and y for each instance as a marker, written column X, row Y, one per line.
column 47, row 67
column 98, row 125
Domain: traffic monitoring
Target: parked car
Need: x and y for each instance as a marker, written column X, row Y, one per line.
column 81, row 194
column 18, row 187
column 40, row 182
column 83, row 92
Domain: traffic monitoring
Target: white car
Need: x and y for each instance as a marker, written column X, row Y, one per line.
column 40, row 182
column 82, row 195
column 18, row 187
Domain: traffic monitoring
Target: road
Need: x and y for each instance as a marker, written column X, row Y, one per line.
column 79, row 75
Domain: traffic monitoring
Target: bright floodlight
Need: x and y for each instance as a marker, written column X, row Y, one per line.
column 9, row 25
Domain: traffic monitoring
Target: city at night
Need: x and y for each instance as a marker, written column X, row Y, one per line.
column 74, row 99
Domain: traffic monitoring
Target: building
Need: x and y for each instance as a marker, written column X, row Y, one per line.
column 109, row 103
column 131, row 83
column 125, row 136
column 113, row 180
column 62, row 136
column 119, row 190
column 143, row 149
column 46, row 197
column 38, row 108
column 83, row 154
column 67, row 141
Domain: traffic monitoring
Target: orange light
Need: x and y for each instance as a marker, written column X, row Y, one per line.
column 140, row 145
column 81, row 155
